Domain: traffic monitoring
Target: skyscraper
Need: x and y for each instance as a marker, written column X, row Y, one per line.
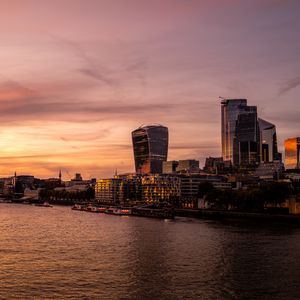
column 268, row 141
column 292, row 153
column 150, row 147
column 246, row 139
column 230, row 110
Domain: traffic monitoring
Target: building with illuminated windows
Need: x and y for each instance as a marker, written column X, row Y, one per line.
column 292, row 153
column 107, row 191
column 160, row 188
column 150, row 147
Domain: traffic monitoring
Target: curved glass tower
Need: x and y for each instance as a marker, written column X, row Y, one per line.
column 150, row 148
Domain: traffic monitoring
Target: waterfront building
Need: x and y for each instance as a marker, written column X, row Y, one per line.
column 150, row 147
column 247, row 138
column 107, row 191
column 292, row 153
column 130, row 191
column 189, row 187
column 268, row 141
column 7, row 185
column 230, row 110
column 180, row 189
column 160, row 189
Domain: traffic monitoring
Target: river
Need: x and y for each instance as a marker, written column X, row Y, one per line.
column 57, row 253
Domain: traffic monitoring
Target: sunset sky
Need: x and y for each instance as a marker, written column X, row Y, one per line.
column 77, row 76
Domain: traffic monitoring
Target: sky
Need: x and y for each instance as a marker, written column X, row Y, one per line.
column 78, row 76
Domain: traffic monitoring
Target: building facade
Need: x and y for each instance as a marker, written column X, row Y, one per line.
column 130, row 190
column 160, row 189
column 170, row 166
column 292, row 153
column 174, row 166
column 107, row 191
column 187, row 164
column 246, row 149
column 150, row 147
column 268, row 141
column 230, row 110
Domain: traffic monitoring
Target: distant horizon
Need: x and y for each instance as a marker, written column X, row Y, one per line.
column 77, row 79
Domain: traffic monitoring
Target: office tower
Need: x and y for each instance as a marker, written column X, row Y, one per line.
column 268, row 141
column 292, row 153
column 246, row 140
column 230, row 110
column 150, row 147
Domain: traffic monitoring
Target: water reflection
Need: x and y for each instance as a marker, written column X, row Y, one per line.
column 59, row 253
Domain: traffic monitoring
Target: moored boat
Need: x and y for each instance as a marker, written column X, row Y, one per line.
column 91, row 208
column 45, row 204
column 77, row 207
column 159, row 213
column 102, row 209
column 118, row 211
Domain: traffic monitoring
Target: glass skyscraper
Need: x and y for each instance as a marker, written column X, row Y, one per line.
column 246, row 140
column 150, row 147
column 268, row 141
column 230, row 110
column 292, row 153
column 240, row 132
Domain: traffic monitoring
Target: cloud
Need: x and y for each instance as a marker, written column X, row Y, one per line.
column 95, row 74
column 289, row 85
column 11, row 90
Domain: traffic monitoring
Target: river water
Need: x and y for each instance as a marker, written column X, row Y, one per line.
column 57, row 253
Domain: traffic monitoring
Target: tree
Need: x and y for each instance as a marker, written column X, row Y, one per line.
column 204, row 188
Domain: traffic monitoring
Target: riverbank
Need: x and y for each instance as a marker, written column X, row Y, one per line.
column 220, row 215
column 204, row 214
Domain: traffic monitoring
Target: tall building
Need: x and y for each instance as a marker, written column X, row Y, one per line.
column 150, row 147
column 292, row 153
column 230, row 110
column 247, row 138
column 268, row 141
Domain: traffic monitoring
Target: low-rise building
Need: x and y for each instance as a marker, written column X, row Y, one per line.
column 160, row 189
column 107, row 191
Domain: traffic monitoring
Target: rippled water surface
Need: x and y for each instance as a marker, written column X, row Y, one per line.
column 57, row 253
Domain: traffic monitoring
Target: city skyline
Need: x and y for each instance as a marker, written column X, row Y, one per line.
column 75, row 80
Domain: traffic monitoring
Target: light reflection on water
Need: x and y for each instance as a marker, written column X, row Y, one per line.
column 59, row 253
